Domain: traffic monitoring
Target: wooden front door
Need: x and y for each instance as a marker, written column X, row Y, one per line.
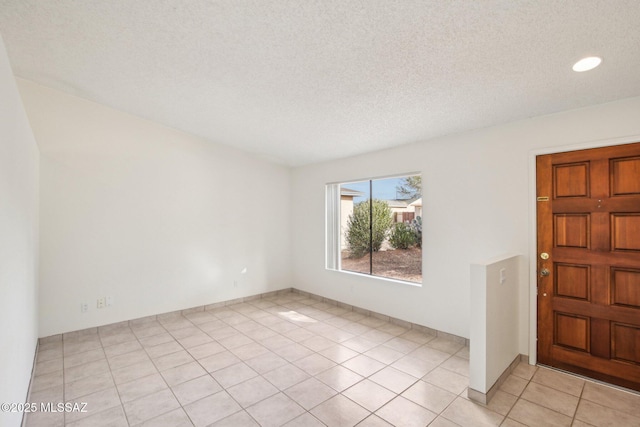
column 588, row 213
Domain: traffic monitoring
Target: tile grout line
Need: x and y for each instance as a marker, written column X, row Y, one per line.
column 159, row 373
column 64, row 388
column 114, row 380
column 575, row 413
column 518, row 397
column 242, row 409
column 359, row 352
column 550, row 409
column 306, row 411
column 360, row 333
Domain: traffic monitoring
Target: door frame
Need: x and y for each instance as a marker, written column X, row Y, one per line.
column 533, row 229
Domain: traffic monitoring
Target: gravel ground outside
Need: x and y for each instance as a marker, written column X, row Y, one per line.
column 402, row 264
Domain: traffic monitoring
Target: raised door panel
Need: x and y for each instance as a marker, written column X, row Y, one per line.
column 571, row 230
column 625, row 176
column 625, row 232
column 625, row 287
column 572, row 331
column 572, row 281
column 571, row 180
column 625, row 343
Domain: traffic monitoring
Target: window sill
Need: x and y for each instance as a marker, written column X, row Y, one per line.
column 369, row 276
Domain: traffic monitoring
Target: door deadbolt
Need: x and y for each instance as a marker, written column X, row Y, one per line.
column 544, row 255
column 544, row 272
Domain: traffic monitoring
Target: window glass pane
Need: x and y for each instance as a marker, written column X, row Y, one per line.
column 397, row 246
column 380, row 228
column 354, row 227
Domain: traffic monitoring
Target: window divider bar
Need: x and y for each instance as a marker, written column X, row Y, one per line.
column 371, row 227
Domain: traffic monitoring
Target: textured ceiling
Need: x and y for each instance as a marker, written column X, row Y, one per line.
column 312, row 80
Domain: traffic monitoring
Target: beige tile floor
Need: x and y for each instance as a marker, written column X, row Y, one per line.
column 294, row 361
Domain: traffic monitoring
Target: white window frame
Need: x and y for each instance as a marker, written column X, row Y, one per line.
column 333, row 245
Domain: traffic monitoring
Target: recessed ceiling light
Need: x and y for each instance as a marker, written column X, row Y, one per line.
column 586, row 64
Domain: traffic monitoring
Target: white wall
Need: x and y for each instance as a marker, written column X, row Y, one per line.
column 476, row 206
column 157, row 219
column 18, row 245
column 494, row 318
column 346, row 209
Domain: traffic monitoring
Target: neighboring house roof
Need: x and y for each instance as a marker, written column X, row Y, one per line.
column 417, row 202
column 397, row 203
column 349, row 192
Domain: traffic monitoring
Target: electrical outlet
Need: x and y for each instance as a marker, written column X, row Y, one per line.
column 84, row 307
column 101, row 302
column 235, row 283
column 109, row 301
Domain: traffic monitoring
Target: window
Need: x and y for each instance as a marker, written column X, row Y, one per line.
column 374, row 227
